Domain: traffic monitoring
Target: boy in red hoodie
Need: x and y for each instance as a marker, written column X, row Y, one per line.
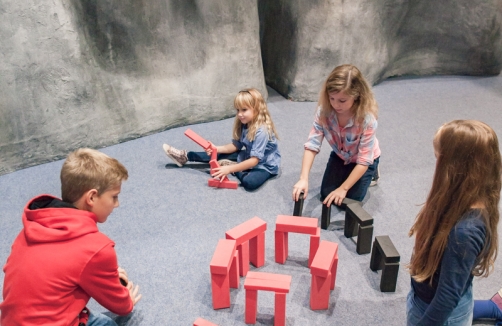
column 60, row 260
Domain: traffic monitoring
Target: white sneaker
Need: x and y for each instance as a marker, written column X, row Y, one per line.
column 375, row 178
column 178, row 156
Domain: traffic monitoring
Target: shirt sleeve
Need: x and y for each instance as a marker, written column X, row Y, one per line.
column 237, row 144
column 459, row 258
column 316, row 135
column 367, row 143
column 100, row 279
column 259, row 144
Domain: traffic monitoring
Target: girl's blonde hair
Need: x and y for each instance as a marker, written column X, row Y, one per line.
column 468, row 174
column 252, row 99
column 347, row 78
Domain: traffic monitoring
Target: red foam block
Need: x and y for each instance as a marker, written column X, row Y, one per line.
column 247, row 230
column 222, row 257
column 203, row 322
column 324, row 258
column 198, row 139
column 296, row 224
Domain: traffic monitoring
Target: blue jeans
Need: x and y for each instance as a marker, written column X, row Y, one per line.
column 487, row 309
column 204, row 158
column 250, row 179
column 337, row 172
column 100, row 320
column 460, row 316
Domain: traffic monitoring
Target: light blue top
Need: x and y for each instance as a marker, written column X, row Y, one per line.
column 263, row 148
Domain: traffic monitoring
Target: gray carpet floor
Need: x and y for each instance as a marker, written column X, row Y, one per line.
column 169, row 220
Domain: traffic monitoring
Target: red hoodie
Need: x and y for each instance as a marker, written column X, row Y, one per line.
column 58, row 261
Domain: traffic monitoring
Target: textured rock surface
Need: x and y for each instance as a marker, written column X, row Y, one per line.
column 77, row 73
column 302, row 41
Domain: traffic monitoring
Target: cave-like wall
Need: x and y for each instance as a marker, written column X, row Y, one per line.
column 77, row 73
column 302, row 41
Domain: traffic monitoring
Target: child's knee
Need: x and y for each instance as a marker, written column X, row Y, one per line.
column 250, row 186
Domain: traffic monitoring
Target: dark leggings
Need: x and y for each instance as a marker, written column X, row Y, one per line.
column 337, row 172
column 250, row 179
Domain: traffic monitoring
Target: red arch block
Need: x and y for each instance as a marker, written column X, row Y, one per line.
column 297, row 224
column 323, row 270
column 250, row 241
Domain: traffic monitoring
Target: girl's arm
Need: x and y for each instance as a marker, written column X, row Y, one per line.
column 303, row 184
column 465, row 242
column 339, row 193
column 225, row 149
column 223, row 171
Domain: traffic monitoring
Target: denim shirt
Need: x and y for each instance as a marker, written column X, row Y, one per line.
column 354, row 143
column 264, row 149
column 454, row 275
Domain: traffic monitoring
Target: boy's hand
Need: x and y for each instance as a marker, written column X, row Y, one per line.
column 221, row 172
column 134, row 293
column 123, row 276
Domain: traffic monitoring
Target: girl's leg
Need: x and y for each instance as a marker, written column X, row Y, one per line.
column 337, row 172
column 360, row 188
column 486, row 309
column 97, row 319
column 203, row 157
column 491, row 309
column 253, row 179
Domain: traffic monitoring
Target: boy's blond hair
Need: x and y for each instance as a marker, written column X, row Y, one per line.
column 86, row 169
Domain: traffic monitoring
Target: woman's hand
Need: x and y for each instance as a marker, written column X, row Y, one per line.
column 336, row 197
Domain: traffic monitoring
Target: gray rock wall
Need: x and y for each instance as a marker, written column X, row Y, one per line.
column 77, row 73
column 302, row 41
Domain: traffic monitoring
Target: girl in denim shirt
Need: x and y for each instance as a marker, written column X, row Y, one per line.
column 253, row 156
column 346, row 117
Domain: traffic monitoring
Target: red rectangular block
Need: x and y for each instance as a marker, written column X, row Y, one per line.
column 223, row 184
column 314, row 245
column 203, row 322
column 296, row 224
column 257, row 250
column 268, row 282
column 324, row 258
column 247, row 230
column 234, row 271
column 222, row 257
column 280, row 309
column 319, row 292
column 196, row 138
column 281, row 247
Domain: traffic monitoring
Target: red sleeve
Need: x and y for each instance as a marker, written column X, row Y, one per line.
column 100, row 279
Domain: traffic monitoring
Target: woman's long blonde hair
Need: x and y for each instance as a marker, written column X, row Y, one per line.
column 252, row 99
column 468, row 174
column 347, row 78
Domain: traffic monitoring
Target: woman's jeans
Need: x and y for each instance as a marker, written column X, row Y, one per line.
column 460, row 316
column 337, row 172
column 250, row 179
